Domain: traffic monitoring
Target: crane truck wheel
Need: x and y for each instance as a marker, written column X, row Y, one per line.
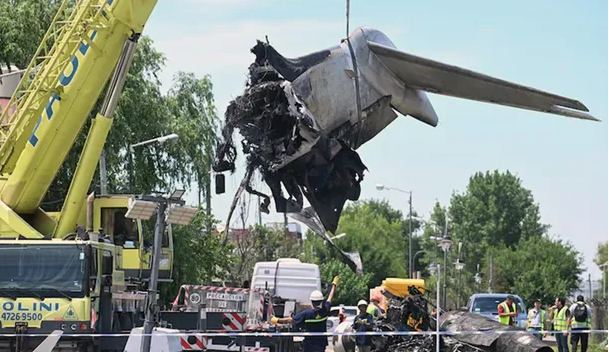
column 343, row 343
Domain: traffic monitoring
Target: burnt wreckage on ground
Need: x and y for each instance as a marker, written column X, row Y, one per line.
column 302, row 119
column 411, row 314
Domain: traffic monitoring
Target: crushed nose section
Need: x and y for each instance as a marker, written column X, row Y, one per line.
column 283, row 142
column 329, row 183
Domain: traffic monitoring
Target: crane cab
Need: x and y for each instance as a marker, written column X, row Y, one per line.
column 132, row 237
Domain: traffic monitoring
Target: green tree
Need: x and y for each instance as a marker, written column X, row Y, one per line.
column 497, row 215
column 198, row 258
column 23, row 24
column 378, row 240
column 260, row 244
column 545, row 267
column 352, row 288
column 433, row 228
column 143, row 113
column 495, row 210
column 191, row 102
column 601, row 261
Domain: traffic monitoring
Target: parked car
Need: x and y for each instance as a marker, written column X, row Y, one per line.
column 332, row 322
column 486, row 304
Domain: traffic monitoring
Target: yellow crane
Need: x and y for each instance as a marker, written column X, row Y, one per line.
column 68, row 270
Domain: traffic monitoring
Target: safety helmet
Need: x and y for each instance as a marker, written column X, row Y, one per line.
column 317, row 299
column 362, row 303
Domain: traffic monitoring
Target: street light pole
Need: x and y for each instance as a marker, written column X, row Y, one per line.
column 414, row 258
column 131, row 181
column 381, row 187
column 131, row 149
column 477, row 277
column 142, row 209
column 438, row 308
column 151, row 307
column 459, row 266
column 444, row 282
column 444, row 243
column 410, row 261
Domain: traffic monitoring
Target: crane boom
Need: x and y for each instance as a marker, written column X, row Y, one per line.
column 51, row 108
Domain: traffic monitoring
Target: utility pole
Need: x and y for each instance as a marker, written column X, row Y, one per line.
column 151, row 307
column 590, row 287
column 177, row 215
column 490, row 276
column 208, row 198
column 438, row 308
column 444, row 284
column 285, row 224
column 410, row 262
column 259, row 213
column 381, row 187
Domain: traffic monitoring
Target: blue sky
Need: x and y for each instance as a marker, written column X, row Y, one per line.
column 557, row 46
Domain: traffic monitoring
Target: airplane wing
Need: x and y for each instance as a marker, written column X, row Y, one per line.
column 436, row 77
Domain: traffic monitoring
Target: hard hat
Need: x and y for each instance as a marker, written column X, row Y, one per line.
column 362, row 303
column 317, row 299
column 316, row 296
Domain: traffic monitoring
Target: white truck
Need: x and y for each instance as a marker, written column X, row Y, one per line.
column 278, row 288
column 288, row 280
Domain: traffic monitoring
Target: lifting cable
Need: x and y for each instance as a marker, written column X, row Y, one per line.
column 357, row 92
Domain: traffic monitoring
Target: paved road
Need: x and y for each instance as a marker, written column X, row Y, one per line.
column 550, row 340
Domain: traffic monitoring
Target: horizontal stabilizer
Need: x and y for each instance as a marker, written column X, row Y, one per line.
column 436, row 77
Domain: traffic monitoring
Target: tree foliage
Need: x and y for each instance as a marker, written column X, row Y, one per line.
column 352, row 288
column 601, row 261
column 144, row 113
column 497, row 215
column 198, row 258
column 381, row 243
column 23, row 24
column 601, row 256
column 495, row 210
column 538, row 267
column 261, row 244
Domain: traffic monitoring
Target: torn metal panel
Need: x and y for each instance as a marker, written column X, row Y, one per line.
column 456, row 321
column 302, row 119
column 308, row 217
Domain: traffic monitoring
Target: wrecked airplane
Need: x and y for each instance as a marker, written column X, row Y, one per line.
column 302, row 119
column 462, row 331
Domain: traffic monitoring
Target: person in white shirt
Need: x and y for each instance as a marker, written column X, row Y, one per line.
column 536, row 320
column 579, row 319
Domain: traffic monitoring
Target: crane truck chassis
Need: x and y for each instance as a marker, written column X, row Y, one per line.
column 80, row 270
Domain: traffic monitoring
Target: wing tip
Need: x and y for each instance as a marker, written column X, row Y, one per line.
column 559, row 110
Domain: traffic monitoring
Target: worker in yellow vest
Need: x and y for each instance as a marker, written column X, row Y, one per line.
column 507, row 311
column 559, row 314
column 374, row 309
column 536, row 320
column 578, row 321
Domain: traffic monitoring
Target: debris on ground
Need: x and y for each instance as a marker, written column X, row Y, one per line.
column 410, row 314
column 517, row 341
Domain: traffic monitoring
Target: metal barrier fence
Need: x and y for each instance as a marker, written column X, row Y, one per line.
column 327, row 334
column 599, row 318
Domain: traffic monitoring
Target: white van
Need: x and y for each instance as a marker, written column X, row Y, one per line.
column 287, row 279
